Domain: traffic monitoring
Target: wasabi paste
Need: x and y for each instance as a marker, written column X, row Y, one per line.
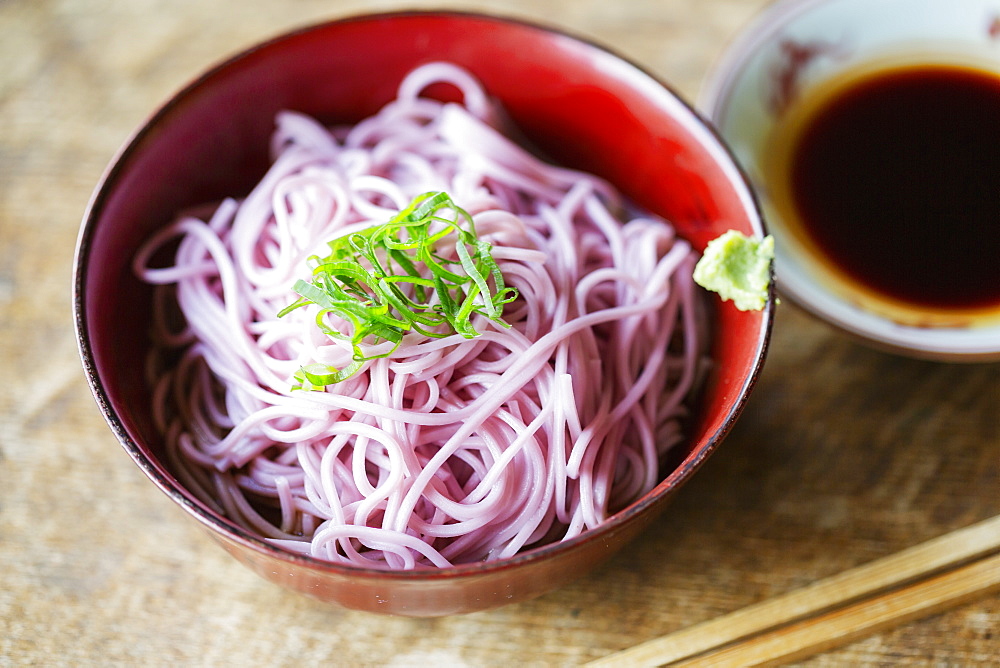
column 737, row 267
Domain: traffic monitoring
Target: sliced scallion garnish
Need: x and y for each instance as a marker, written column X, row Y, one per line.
column 424, row 271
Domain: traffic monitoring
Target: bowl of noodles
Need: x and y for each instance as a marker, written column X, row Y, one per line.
column 400, row 308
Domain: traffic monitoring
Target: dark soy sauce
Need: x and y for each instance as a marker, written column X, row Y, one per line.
column 896, row 178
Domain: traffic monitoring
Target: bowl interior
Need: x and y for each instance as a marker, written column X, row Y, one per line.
column 576, row 102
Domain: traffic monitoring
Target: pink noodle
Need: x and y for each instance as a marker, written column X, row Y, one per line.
column 450, row 450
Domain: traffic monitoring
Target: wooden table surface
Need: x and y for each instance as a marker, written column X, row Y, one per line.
column 844, row 454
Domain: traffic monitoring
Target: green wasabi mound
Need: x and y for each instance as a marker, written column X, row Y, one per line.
column 737, row 267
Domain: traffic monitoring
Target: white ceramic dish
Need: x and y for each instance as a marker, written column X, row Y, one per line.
column 797, row 44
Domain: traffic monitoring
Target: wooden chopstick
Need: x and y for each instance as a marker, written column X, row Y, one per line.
column 843, row 625
column 837, row 609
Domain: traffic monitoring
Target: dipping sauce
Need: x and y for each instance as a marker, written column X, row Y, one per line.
column 892, row 177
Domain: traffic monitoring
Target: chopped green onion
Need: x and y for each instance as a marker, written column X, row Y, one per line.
column 424, row 271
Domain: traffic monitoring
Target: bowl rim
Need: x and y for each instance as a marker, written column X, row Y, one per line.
column 222, row 528
column 730, row 61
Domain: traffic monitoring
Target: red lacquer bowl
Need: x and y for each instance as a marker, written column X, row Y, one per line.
column 576, row 101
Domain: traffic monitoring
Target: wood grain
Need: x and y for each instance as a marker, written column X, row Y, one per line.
column 844, row 454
